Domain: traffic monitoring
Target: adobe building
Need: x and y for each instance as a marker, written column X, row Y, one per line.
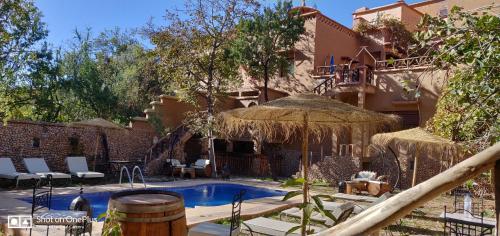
column 368, row 69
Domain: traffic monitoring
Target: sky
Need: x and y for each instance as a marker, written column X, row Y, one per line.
column 64, row 16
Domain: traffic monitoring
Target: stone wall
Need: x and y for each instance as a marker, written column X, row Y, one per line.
column 55, row 141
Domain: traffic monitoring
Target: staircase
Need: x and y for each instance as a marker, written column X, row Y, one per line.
column 170, row 146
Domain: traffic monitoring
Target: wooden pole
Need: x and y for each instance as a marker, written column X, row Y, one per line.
column 402, row 204
column 415, row 167
column 305, row 187
column 496, row 182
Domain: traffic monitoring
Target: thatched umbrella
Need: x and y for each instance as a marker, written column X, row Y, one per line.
column 304, row 115
column 424, row 142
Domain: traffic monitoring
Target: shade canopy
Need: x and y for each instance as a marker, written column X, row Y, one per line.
column 284, row 118
column 424, row 141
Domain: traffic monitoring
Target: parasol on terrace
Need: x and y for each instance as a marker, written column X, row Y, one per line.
column 303, row 115
column 424, row 142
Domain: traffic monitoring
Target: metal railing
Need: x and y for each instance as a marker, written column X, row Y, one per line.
column 131, row 179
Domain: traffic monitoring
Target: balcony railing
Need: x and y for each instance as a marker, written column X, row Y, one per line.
column 344, row 77
column 406, row 63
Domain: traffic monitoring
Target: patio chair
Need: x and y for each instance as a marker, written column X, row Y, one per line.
column 268, row 226
column 203, row 167
column 39, row 167
column 8, row 171
column 175, row 166
column 477, row 204
column 341, row 212
column 78, row 167
column 209, row 229
column 44, row 216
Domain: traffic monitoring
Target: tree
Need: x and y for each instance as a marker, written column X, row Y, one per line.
column 110, row 76
column 193, row 51
column 263, row 42
column 20, row 29
column 467, row 44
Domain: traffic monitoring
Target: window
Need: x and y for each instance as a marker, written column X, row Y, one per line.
column 75, row 146
column 35, row 142
column 287, row 69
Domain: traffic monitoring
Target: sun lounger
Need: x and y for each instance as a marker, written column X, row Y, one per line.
column 273, row 227
column 78, row 167
column 341, row 211
column 39, row 167
column 8, row 171
column 357, row 207
column 352, row 197
column 202, row 167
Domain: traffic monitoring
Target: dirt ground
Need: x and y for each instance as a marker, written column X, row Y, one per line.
column 423, row 221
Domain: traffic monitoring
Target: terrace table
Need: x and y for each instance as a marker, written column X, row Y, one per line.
column 460, row 218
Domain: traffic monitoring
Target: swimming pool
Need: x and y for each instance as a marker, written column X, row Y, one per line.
column 197, row 195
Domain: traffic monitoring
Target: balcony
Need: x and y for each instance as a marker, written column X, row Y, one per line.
column 402, row 64
column 344, row 80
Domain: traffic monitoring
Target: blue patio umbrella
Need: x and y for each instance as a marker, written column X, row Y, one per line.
column 332, row 65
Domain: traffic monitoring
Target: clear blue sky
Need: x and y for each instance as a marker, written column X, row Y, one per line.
column 63, row 16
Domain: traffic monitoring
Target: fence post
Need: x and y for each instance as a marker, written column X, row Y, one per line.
column 496, row 182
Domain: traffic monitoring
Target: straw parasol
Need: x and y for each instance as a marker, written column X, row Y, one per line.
column 302, row 115
column 424, row 142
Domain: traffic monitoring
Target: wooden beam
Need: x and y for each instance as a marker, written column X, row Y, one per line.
column 305, row 162
column 383, row 214
column 415, row 168
column 496, row 183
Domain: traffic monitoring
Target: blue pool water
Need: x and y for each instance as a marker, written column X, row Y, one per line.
column 198, row 195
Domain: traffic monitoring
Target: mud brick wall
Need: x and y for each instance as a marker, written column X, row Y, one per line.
column 56, row 141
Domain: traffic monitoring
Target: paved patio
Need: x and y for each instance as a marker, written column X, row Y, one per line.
column 10, row 205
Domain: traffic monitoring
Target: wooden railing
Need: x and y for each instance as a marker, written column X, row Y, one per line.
column 406, row 63
column 344, row 77
column 385, row 213
column 326, row 70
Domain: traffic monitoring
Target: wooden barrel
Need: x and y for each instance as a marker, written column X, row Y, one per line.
column 150, row 212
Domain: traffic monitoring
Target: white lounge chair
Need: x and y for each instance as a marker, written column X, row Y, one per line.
column 341, row 211
column 78, row 167
column 8, row 171
column 175, row 163
column 273, row 227
column 39, row 167
column 202, row 167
